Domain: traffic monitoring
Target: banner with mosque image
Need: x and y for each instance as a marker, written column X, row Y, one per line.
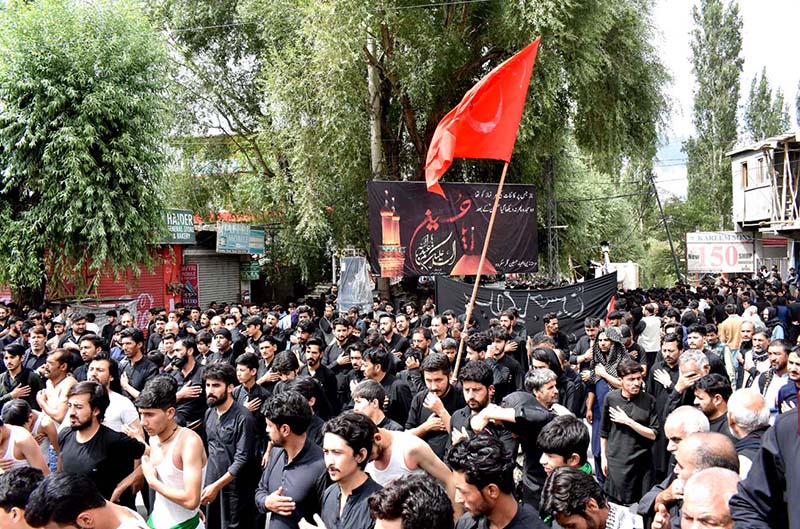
column 416, row 233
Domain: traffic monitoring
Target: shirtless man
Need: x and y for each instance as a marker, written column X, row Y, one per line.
column 18, row 412
column 18, row 448
column 395, row 454
column 53, row 399
column 177, row 461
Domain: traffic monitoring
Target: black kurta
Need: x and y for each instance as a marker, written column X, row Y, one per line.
column 630, row 462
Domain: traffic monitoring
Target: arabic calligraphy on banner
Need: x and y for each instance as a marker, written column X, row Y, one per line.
column 573, row 303
column 414, row 232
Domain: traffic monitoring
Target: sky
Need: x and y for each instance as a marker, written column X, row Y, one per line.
column 768, row 40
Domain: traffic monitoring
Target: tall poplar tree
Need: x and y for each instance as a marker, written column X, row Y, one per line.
column 766, row 113
column 717, row 65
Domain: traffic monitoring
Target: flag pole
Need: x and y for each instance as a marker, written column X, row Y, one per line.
column 471, row 305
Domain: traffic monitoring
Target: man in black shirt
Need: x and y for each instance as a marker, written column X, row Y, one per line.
column 18, row 382
column 501, row 362
column 347, row 447
column 476, row 381
column 135, row 368
column 36, row 354
column 188, row 373
column 321, row 373
column 376, row 365
column 231, row 472
column 292, row 485
column 107, row 332
column 226, row 353
column 252, row 397
column 551, row 331
column 627, row 432
column 336, row 357
column 89, row 345
column 368, row 397
column 429, row 416
column 393, row 342
column 525, row 413
column 484, row 477
column 267, row 377
column 90, row 448
column 711, row 394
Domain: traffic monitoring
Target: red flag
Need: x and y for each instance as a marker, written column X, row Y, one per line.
column 485, row 123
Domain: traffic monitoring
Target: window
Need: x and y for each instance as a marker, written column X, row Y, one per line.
column 744, row 175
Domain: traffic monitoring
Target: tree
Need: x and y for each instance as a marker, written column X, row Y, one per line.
column 83, row 123
column 765, row 114
column 597, row 85
column 716, row 46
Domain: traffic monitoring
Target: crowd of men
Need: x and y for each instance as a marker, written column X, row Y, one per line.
column 676, row 409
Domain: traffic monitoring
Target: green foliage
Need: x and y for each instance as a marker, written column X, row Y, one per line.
column 83, row 119
column 298, row 112
column 765, row 114
column 716, row 47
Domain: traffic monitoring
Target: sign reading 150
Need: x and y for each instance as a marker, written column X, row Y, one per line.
column 718, row 256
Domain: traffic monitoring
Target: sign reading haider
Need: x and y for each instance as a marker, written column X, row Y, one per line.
column 572, row 303
column 414, row 233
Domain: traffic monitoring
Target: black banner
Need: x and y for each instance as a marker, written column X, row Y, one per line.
column 413, row 232
column 573, row 303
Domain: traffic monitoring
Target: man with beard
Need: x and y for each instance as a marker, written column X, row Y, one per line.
column 660, row 381
column 72, row 338
column 484, row 478
column 501, row 362
column 711, row 394
column 336, row 357
column 787, row 396
column 135, row 369
column 431, row 409
column 401, row 324
column 230, row 475
column 696, row 339
column 121, row 413
column 627, row 432
column 89, row 345
column 748, row 420
column 393, row 342
column 756, row 360
column 90, row 448
column 368, row 397
column 226, row 352
column 321, row 373
column 477, row 385
column 692, row 365
column 18, row 382
column 292, row 485
column 188, row 373
column 347, row 446
column 771, row 382
column 174, row 468
column 582, row 353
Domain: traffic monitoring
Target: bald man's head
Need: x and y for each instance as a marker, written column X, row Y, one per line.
column 683, row 422
column 747, row 412
column 700, row 451
column 706, row 496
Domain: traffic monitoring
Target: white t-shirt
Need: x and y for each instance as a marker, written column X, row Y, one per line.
column 121, row 412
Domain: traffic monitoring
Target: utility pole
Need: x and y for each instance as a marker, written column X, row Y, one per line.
column 551, row 217
column 666, row 227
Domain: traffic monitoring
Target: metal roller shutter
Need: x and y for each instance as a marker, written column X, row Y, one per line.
column 217, row 276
